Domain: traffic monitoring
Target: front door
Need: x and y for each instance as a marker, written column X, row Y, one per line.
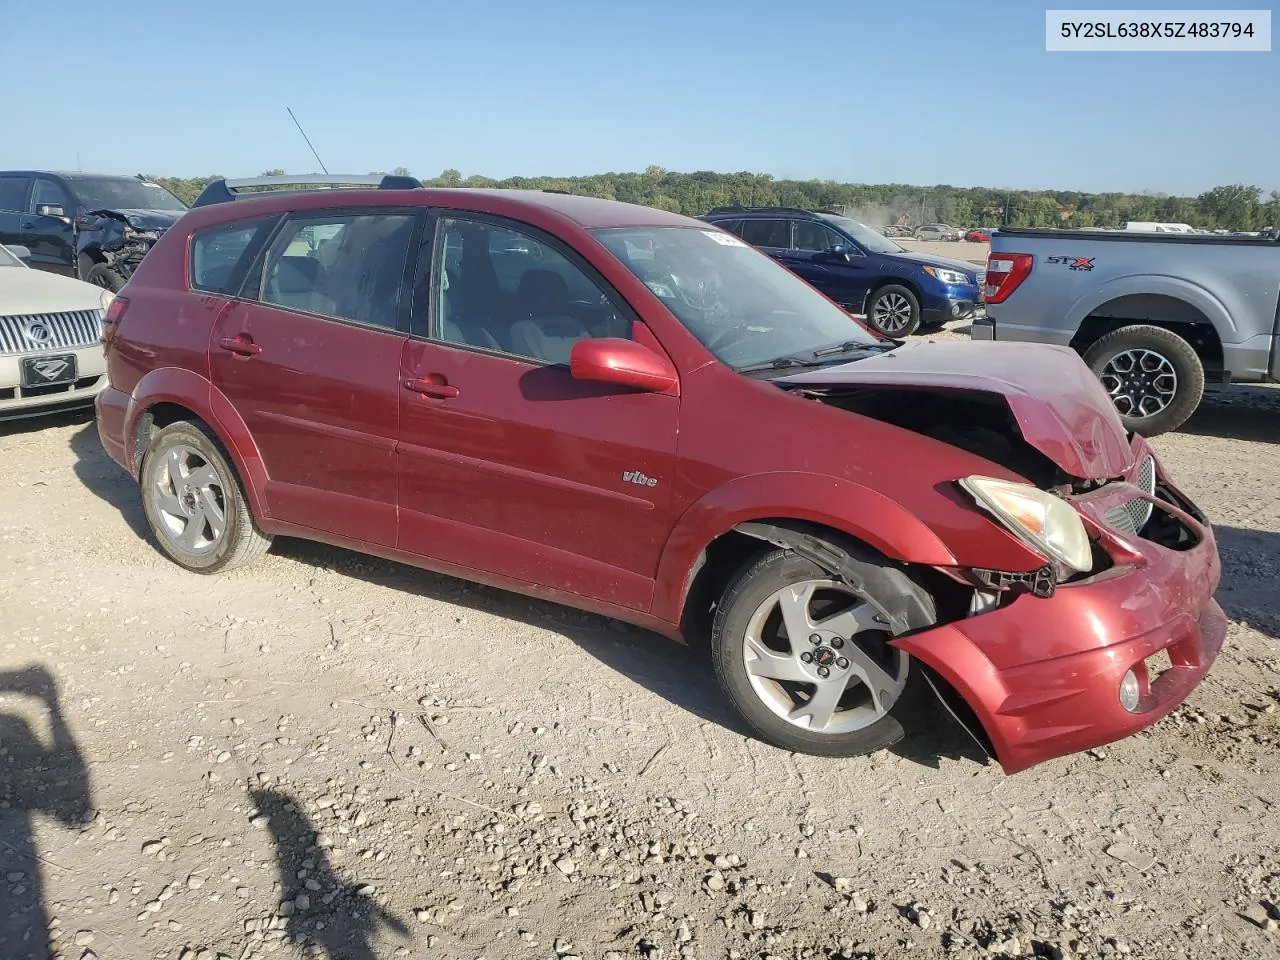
column 507, row 464
column 844, row 278
column 47, row 230
column 310, row 359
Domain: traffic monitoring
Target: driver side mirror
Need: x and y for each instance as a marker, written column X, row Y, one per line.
column 51, row 210
column 623, row 363
column 844, row 251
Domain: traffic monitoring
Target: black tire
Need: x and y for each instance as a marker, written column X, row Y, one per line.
column 891, row 296
column 753, row 587
column 240, row 541
column 101, row 275
column 1161, row 347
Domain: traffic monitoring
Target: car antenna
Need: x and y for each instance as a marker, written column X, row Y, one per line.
column 308, row 139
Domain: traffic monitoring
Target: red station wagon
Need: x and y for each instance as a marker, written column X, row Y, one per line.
column 634, row 413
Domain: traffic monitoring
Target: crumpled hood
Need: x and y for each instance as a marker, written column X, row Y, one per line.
column 27, row 291
column 146, row 219
column 1060, row 406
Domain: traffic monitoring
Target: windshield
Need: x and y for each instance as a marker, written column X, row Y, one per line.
column 870, row 240
column 7, row 259
column 122, row 193
column 741, row 305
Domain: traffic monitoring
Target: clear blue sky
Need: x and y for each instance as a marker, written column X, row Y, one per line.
column 956, row 92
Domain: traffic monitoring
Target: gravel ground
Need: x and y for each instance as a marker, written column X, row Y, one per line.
column 331, row 756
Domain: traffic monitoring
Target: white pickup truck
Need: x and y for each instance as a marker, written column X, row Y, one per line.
column 1155, row 315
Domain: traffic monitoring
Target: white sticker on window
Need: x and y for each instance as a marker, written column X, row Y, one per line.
column 724, row 239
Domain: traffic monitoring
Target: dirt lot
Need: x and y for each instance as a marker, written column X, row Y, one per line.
column 326, row 755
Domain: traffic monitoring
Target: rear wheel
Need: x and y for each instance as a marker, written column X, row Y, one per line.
column 805, row 658
column 1154, row 377
column 894, row 311
column 194, row 503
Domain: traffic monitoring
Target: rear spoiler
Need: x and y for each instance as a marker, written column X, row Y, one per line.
column 222, row 190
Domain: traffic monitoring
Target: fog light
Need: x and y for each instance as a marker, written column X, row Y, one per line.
column 1129, row 692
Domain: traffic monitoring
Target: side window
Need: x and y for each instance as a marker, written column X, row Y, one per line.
column 47, row 192
column 767, row 233
column 733, row 226
column 348, row 266
column 220, row 255
column 13, row 193
column 505, row 290
column 814, row 237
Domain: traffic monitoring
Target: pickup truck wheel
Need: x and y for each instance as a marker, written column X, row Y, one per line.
column 804, row 658
column 1154, row 377
column 894, row 311
column 194, row 504
column 101, row 275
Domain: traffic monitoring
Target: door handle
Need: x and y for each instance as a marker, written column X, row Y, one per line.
column 28, row 225
column 241, row 345
column 432, row 388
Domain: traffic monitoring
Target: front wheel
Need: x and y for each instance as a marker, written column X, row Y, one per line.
column 894, row 311
column 1154, row 377
column 101, row 275
column 805, row 659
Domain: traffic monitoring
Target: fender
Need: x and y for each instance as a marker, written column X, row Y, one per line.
column 1195, row 295
column 830, row 501
column 188, row 389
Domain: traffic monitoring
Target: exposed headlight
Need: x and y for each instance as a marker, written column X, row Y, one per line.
column 1047, row 524
column 952, row 278
column 105, row 299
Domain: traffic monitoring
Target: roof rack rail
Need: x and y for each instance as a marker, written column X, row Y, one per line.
column 740, row 209
column 223, row 190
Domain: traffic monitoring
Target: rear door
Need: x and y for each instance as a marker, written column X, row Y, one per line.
column 507, row 464
column 13, row 207
column 310, row 355
column 770, row 236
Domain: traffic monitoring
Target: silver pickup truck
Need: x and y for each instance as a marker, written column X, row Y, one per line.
column 1156, row 316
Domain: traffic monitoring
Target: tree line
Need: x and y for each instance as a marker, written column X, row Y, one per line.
column 1232, row 207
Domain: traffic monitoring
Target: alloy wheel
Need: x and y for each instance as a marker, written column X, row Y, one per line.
column 189, row 500
column 892, row 313
column 816, row 655
column 1141, row 382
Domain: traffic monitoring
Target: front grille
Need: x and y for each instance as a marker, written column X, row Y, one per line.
column 1133, row 515
column 42, row 332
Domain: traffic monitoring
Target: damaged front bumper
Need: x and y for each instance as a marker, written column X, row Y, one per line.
column 1043, row 676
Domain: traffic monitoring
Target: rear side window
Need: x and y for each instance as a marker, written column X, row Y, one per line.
column 220, row 255
column 767, row 233
column 13, row 193
column 348, row 266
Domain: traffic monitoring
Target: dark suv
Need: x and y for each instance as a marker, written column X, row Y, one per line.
column 91, row 226
column 864, row 271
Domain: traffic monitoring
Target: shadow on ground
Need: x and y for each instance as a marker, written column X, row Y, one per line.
column 682, row 675
column 107, row 480
column 1243, row 413
column 1250, row 562
column 40, row 776
column 324, row 911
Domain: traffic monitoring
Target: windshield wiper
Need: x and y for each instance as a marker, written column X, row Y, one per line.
column 777, row 363
column 847, row 347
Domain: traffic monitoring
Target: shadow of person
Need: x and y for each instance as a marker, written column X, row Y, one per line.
column 325, row 914
column 50, row 780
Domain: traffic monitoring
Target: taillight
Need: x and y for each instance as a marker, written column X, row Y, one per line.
column 111, row 319
column 1005, row 273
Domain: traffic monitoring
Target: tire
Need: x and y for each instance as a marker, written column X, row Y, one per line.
column 745, row 628
column 899, row 308
column 184, row 514
column 1147, row 368
column 101, row 275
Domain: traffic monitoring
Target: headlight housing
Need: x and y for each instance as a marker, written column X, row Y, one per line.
column 952, row 278
column 1047, row 524
column 105, row 300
